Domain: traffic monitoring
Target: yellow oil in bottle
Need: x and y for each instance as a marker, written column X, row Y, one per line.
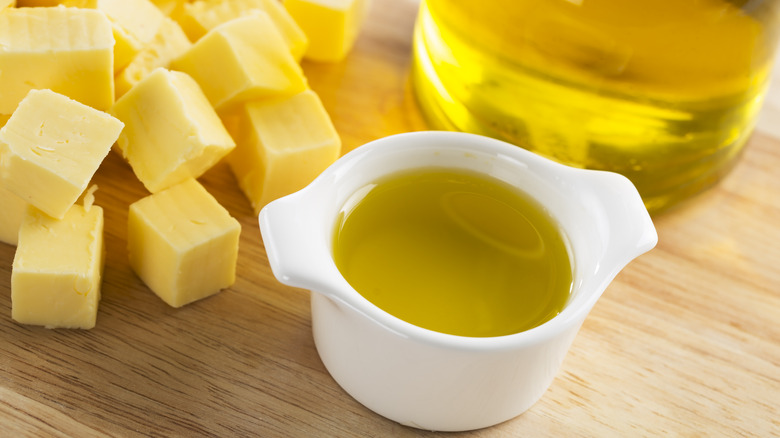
column 454, row 252
column 665, row 92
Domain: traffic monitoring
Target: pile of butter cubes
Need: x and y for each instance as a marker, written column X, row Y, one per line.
column 173, row 86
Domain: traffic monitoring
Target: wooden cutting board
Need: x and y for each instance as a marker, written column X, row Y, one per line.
column 685, row 342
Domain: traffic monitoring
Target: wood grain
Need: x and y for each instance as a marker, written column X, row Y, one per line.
column 685, row 342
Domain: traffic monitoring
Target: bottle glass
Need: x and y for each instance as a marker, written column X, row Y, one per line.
column 665, row 92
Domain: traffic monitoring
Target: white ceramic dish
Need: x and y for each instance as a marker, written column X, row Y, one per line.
column 432, row 380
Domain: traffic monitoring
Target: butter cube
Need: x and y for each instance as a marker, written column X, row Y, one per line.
column 201, row 16
column 12, row 207
column 331, row 26
column 182, row 243
column 67, row 50
column 11, row 214
column 169, row 43
column 57, row 269
column 171, row 131
column 134, row 23
column 281, row 146
column 51, row 147
column 243, row 59
column 170, row 7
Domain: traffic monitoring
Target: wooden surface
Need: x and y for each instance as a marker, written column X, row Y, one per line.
column 685, row 342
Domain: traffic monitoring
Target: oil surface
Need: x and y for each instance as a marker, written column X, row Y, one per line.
column 454, row 252
column 665, row 92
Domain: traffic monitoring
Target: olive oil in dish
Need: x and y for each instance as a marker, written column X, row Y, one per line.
column 453, row 251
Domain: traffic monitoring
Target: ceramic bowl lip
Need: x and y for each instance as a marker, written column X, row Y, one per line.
column 570, row 317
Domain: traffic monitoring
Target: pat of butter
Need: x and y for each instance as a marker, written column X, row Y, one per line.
column 182, row 243
column 243, row 59
column 171, row 131
column 67, row 50
column 331, row 26
column 11, row 214
column 7, row 4
column 169, row 43
column 201, row 16
column 134, row 23
column 56, row 273
column 170, row 7
column 281, row 145
column 51, row 147
column 13, row 208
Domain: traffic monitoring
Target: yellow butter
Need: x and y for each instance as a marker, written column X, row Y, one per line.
column 182, row 243
column 169, row 43
column 51, row 147
column 56, row 273
column 331, row 26
column 134, row 23
column 243, row 59
column 171, row 131
column 201, row 16
column 67, row 50
column 11, row 214
column 170, row 8
column 7, row 4
column 12, row 208
column 281, row 146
